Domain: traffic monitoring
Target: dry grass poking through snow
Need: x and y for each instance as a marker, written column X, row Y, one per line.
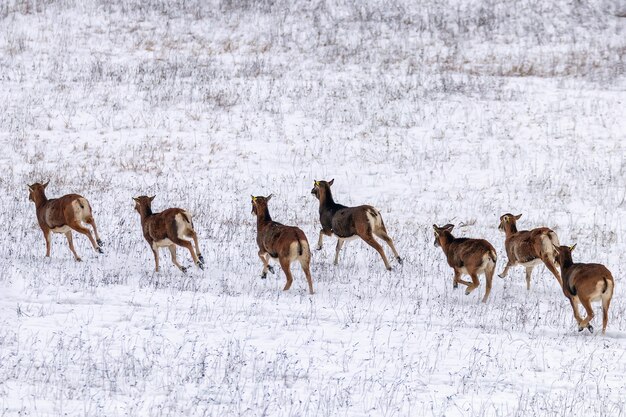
column 432, row 113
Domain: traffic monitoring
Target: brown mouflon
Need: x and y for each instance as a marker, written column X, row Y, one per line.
column 583, row 284
column 62, row 215
column 467, row 256
column 277, row 241
column 168, row 228
column 528, row 247
column 350, row 222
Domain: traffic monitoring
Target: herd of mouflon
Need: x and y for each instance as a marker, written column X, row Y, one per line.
column 581, row 283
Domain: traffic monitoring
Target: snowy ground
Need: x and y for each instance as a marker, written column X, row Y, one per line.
column 432, row 113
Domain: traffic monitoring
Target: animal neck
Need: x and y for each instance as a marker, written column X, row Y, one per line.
column 326, row 199
column 445, row 241
column 40, row 199
column 263, row 216
column 565, row 277
column 566, row 262
column 509, row 229
column 145, row 212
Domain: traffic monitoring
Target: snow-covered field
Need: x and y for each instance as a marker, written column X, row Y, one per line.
column 432, row 112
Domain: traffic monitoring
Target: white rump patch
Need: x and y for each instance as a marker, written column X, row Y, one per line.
column 597, row 293
column 81, row 213
column 182, row 226
column 375, row 222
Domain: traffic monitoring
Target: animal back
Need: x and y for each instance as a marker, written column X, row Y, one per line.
column 344, row 221
column 277, row 239
column 158, row 225
column 525, row 245
column 592, row 279
column 464, row 252
column 60, row 211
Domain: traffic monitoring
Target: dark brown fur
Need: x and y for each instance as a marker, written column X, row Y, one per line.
column 347, row 222
column 467, row 256
column 584, row 283
column 168, row 228
column 61, row 215
column 285, row 243
column 528, row 247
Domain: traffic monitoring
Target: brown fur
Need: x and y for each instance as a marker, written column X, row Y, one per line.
column 348, row 222
column 168, row 228
column 467, row 256
column 585, row 283
column 62, row 215
column 528, row 247
column 285, row 243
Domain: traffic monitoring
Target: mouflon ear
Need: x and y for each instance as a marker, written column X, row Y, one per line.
column 331, row 182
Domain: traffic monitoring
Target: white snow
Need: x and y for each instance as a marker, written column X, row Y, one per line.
column 434, row 113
